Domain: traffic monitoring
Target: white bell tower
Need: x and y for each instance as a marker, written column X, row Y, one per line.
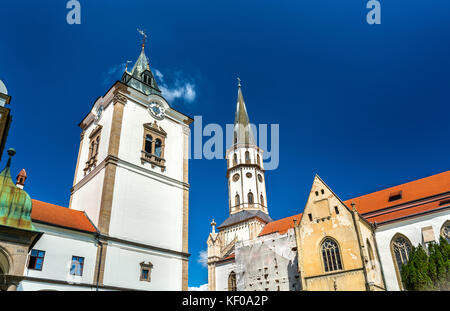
column 245, row 170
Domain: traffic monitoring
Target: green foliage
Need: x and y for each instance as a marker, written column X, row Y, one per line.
column 428, row 270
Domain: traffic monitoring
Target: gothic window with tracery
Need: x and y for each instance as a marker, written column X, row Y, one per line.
column 445, row 231
column 401, row 248
column 331, row 255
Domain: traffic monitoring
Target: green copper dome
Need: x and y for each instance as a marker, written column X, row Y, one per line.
column 15, row 203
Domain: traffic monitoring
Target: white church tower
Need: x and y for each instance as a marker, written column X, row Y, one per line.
column 247, row 200
column 131, row 179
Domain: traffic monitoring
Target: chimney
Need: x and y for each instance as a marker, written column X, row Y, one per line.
column 21, row 179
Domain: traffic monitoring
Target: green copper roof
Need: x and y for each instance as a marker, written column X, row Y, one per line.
column 15, row 203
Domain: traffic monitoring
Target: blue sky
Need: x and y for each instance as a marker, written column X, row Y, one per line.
column 364, row 106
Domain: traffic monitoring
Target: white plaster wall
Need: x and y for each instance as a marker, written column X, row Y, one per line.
column 241, row 231
column 146, row 209
column 244, row 185
column 412, row 229
column 123, row 268
column 43, row 286
column 59, row 246
column 223, row 270
column 131, row 140
column 88, row 197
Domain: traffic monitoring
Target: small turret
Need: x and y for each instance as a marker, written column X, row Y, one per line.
column 20, row 179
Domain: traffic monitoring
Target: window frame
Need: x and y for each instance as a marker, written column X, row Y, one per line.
column 148, row 267
column 29, row 259
column 232, row 282
column 339, row 261
column 445, row 225
column 394, row 258
column 76, row 270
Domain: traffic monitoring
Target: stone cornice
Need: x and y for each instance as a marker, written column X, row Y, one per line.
column 116, row 161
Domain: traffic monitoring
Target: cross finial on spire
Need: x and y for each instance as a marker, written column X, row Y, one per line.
column 144, row 37
column 239, row 81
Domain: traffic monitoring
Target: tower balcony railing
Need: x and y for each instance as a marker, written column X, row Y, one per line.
column 153, row 160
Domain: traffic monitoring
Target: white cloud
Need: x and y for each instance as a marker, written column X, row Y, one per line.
column 182, row 88
column 203, row 287
column 203, row 258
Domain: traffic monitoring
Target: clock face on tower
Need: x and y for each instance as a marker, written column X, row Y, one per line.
column 156, row 110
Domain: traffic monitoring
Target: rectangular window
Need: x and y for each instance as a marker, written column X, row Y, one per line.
column 146, row 270
column 336, row 209
column 36, row 260
column 144, row 274
column 77, row 266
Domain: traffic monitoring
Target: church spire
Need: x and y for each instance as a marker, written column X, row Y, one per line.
column 141, row 77
column 242, row 131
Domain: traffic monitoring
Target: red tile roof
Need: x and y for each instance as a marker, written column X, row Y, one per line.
column 281, row 226
column 375, row 207
column 61, row 216
column 408, row 211
column 411, row 191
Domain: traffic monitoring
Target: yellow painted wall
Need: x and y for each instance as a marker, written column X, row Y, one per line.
column 319, row 221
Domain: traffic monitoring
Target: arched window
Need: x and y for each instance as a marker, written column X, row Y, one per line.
column 97, row 143
column 262, row 200
column 331, row 255
column 258, row 159
column 250, row 198
column 235, row 159
column 158, row 146
column 400, row 248
column 247, row 157
column 4, row 263
column 370, row 250
column 148, row 143
column 371, row 254
column 237, row 200
column 232, row 281
column 445, row 231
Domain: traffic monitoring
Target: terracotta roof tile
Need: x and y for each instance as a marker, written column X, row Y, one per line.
column 372, row 206
column 60, row 216
column 232, row 256
column 408, row 211
column 411, row 191
column 281, row 226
